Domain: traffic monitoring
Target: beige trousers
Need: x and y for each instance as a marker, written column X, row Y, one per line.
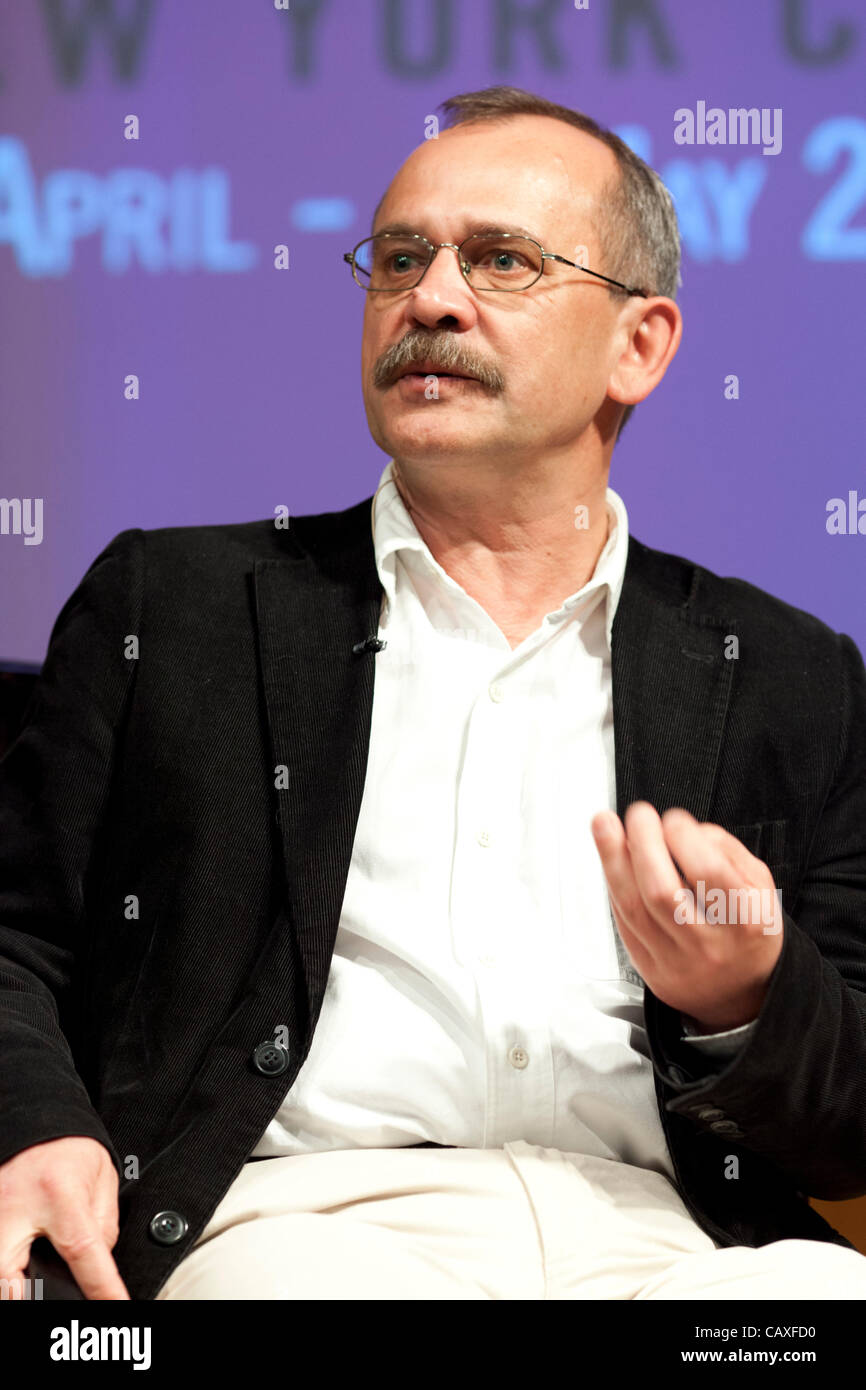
column 523, row 1222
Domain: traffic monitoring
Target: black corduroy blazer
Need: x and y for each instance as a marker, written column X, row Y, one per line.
column 176, row 825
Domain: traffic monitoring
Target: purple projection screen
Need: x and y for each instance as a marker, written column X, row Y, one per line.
column 154, row 155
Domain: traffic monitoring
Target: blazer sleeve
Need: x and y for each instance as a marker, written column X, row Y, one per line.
column 796, row 1090
column 54, row 784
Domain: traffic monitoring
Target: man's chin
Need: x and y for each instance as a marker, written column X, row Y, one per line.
column 442, row 428
column 434, row 450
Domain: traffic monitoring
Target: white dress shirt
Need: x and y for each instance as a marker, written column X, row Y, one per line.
column 479, row 991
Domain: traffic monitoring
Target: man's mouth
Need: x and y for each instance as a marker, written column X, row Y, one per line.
column 423, row 370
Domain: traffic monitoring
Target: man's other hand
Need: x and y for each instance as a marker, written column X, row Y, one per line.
column 65, row 1189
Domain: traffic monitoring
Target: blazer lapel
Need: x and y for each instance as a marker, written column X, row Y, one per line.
column 312, row 607
column 671, row 687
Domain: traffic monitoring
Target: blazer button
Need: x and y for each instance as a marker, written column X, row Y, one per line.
column 168, row 1227
column 270, row 1058
column 707, row 1112
column 726, row 1127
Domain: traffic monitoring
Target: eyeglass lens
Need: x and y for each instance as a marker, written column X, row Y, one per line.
column 496, row 262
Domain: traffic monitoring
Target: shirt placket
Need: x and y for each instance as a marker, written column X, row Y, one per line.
column 506, row 956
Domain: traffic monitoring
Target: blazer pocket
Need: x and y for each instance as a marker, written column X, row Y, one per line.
column 769, row 841
column 125, row 1025
column 766, row 839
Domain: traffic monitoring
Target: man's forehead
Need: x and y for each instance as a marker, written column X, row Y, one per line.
column 555, row 175
column 428, row 216
column 529, row 145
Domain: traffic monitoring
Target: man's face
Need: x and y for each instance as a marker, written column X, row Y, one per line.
column 545, row 354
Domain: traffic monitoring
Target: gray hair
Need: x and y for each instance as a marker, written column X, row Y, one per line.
column 635, row 221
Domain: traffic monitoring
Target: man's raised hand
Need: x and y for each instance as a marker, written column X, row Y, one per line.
column 717, row 973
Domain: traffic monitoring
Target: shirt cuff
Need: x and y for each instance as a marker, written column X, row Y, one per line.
column 726, row 1044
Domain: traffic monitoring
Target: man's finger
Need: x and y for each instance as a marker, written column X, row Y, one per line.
column 104, row 1209
column 610, row 841
column 656, row 875
column 90, row 1262
column 13, row 1273
column 702, row 855
column 625, row 898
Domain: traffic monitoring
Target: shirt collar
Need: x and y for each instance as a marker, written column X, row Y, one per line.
column 394, row 530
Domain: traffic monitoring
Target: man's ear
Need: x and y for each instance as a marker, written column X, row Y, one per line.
column 649, row 339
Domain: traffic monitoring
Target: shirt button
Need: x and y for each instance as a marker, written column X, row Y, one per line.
column 518, row 1057
column 271, row 1059
column 488, row 961
column 168, row 1227
column 496, row 692
column 484, row 838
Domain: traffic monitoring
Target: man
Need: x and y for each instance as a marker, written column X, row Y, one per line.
column 315, row 900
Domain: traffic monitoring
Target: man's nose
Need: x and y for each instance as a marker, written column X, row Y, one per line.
column 443, row 289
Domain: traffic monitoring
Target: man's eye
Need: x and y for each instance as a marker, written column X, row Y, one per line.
column 508, row 256
column 401, row 260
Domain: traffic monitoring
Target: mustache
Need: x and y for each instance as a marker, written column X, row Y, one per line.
column 443, row 349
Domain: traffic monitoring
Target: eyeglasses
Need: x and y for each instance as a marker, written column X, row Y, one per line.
column 392, row 261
